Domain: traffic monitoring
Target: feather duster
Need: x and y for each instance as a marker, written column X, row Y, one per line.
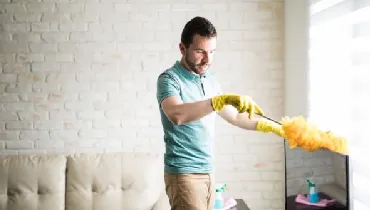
column 301, row 133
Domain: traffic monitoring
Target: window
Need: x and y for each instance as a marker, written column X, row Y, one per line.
column 339, row 82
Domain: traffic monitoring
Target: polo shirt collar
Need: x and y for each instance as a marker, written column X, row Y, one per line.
column 188, row 74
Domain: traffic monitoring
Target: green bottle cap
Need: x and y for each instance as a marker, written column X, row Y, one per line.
column 310, row 184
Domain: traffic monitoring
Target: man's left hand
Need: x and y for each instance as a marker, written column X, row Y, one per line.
column 267, row 126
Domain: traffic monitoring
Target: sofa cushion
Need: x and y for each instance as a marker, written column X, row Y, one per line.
column 32, row 182
column 114, row 181
column 162, row 203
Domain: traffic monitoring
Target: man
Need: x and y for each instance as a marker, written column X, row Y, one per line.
column 188, row 97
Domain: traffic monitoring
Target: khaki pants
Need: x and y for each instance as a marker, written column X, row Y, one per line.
column 190, row 191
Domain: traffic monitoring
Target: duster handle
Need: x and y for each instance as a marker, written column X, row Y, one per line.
column 269, row 118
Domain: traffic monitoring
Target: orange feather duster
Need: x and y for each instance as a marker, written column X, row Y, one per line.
column 301, row 133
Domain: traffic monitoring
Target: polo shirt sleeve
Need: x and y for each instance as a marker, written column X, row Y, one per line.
column 166, row 86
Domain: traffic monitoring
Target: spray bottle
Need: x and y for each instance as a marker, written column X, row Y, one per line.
column 313, row 196
column 219, row 200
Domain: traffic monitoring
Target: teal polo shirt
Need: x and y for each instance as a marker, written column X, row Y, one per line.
column 189, row 147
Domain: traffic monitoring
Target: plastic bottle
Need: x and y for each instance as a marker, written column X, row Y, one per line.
column 313, row 196
column 219, row 199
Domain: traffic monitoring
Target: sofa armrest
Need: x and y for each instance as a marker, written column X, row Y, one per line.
column 162, row 203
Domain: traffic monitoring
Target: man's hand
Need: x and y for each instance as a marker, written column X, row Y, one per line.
column 267, row 126
column 241, row 102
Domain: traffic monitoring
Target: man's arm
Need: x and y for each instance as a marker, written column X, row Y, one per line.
column 241, row 120
column 179, row 113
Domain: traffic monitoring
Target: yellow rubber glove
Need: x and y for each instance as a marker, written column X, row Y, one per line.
column 267, row 126
column 241, row 102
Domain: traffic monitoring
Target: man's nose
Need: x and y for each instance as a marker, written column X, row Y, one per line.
column 206, row 57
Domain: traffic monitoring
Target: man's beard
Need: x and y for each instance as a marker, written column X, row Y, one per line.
column 193, row 66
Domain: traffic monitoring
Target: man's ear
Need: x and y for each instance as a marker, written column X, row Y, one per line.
column 182, row 48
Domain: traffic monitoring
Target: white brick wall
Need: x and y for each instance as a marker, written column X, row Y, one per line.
column 317, row 166
column 80, row 76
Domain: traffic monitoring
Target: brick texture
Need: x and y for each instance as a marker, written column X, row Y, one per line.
column 317, row 166
column 80, row 76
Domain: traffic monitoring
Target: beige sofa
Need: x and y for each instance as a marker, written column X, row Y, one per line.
column 107, row 181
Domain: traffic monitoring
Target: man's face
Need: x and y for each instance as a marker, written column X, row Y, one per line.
column 199, row 55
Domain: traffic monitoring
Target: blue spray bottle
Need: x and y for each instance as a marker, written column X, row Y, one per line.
column 219, row 200
column 313, row 196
